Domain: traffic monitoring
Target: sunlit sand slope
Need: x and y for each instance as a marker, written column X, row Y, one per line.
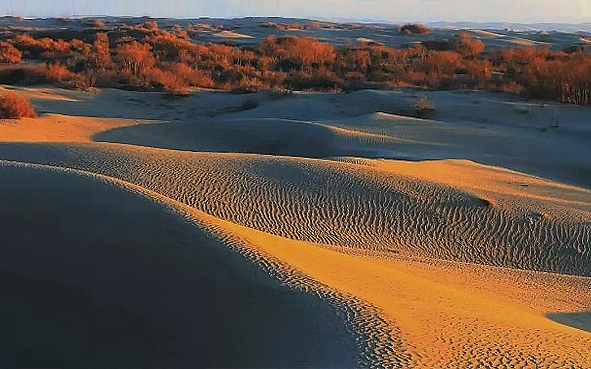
column 456, row 315
column 358, row 207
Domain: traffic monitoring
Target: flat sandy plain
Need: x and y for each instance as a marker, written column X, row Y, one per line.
column 315, row 230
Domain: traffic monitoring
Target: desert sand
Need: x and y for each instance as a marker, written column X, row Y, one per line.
column 457, row 239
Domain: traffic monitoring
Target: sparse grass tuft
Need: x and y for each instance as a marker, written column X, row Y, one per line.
column 423, row 106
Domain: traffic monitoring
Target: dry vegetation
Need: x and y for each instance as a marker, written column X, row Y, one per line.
column 145, row 57
column 15, row 106
column 413, row 28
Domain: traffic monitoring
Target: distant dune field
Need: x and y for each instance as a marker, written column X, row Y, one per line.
column 472, row 251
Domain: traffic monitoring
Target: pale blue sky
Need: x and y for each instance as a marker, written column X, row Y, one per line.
column 389, row 10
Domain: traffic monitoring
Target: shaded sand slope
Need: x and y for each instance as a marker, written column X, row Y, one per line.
column 95, row 275
column 262, row 136
column 376, row 135
column 357, row 206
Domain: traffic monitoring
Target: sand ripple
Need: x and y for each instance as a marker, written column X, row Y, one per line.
column 340, row 204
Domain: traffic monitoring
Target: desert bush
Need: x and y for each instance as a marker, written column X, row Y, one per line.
column 415, row 29
column 100, row 53
column 15, row 106
column 152, row 26
column 60, row 73
column 23, row 74
column 9, row 53
column 321, row 81
column 96, row 23
column 297, row 53
column 249, row 103
column 147, row 58
column 190, row 76
column 135, row 57
column 467, row 46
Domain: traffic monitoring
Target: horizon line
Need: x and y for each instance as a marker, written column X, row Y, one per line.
column 573, row 21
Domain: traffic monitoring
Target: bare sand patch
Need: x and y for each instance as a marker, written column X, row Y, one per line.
column 230, row 34
column 59, row 128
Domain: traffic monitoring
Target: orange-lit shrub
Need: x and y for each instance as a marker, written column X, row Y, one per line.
column 60, row 73
column 190, row 76
column 467, row 46
column 415, row 29
column 135, row 57
column 9, row 53
column 15, row 106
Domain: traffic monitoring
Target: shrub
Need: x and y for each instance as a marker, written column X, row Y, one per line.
column 60, row 73
column 467, row 46
column 96, row 23
column 415, row 29
column 147, row 58
column 9, row 53
column 23, row 74
column 512, row 88
column 166, row 81
column 152, row 26
column 249, row 103
column 15, row 106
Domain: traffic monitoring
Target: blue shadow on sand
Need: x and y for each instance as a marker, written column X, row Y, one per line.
column 579, row 320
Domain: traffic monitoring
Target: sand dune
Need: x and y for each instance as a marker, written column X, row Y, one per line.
column 559, row 35
column 486, row 34
column 59, row 128
column 455, row 315
column 160, row 292
column 437, row 263
column 438, row 319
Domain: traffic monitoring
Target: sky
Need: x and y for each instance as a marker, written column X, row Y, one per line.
column 568, row 11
